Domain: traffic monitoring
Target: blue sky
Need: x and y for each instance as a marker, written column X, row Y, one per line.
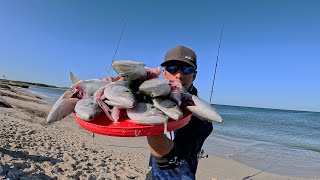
column 270, row 53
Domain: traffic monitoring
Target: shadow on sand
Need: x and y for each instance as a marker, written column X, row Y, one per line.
column 18, row 168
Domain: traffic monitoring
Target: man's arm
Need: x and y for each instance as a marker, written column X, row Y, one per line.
column 160, row 145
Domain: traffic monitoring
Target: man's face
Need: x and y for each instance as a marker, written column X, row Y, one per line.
column 185, row 79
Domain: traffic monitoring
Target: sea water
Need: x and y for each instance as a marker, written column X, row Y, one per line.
column 48, row 94
column 279, row 141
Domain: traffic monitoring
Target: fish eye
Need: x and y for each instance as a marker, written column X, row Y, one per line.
column 126, row 91
column 174, row 105
column 152, row 107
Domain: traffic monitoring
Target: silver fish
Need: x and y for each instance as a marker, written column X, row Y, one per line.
column 116, row 94
column 168, row 107
column 87, row 88
column 155, row 87
column 201, row 109
column 67, row 102
column 87, row 108
column 145, row 113
column 119, row 94
column 131, row 70
column 62, row 108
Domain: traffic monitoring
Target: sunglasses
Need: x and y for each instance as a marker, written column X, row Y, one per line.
column 173, row 69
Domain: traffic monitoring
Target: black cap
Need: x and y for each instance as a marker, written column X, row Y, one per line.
column 181, row 53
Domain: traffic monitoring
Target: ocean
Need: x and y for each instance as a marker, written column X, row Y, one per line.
column 285, row 142
column 48, row 94
column 279, row 141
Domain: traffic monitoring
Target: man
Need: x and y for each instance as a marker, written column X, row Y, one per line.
column 175, row 156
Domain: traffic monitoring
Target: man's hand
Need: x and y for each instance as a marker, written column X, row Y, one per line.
column 160, row 145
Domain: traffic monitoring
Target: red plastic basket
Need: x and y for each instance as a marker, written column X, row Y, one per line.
column 124, row 128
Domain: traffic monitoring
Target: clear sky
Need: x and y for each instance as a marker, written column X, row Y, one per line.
column 270, row 52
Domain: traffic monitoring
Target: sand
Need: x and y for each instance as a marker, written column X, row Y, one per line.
column 32, row 149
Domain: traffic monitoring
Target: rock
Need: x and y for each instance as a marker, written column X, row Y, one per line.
column 4, row 86
column 92, row 177
column 38, row 97
column 4, row 104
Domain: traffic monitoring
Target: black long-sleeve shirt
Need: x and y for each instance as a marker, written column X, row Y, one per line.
column 182, row 161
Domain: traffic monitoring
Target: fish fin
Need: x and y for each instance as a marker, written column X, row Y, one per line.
column 62, row 108
column 165, row 126
column 115, row 113
column 105, row 109
column 73, row 78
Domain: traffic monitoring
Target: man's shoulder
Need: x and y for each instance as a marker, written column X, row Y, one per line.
column 193, row 90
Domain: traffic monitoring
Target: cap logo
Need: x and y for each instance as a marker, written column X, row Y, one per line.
column 188, row 57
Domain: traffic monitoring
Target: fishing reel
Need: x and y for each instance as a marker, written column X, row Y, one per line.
column 202, row 155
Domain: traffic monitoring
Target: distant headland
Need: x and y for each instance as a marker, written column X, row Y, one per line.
column 24, row 84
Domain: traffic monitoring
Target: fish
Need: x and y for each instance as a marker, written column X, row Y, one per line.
column 81, row 101
column 119, row 94
column 155, row 87
column 116, row 94
column 131, row 70
column 86, row 88
column 145, row 113
column 201, row 109
column 63, row 107
column 168, row 107
column 81, row 89
column 87, row 108
column 146, row 98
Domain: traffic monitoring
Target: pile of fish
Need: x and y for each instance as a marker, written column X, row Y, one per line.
column 138, row 91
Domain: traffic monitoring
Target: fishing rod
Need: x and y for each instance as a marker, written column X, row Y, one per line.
column 215, row 70
column 124, row 28
column 114, row 55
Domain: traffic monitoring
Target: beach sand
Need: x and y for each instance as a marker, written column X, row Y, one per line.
column 32, row 149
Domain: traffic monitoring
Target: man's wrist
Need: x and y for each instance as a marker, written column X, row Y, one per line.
column 160, row 145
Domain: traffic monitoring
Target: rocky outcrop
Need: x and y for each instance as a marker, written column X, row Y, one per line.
column 4, row 104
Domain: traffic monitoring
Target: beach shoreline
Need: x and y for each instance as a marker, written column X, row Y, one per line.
column 32, row 149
